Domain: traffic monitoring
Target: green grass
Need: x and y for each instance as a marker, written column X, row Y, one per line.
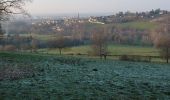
column 40, row 37
column 113, row 49
column 138, row 25
column 133, row 50
column 65, row 78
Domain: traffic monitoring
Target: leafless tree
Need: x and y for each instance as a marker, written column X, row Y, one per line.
column 34, row 44
column 99, row 42
column 162, row 40
column 10, row 7
column 59, row 43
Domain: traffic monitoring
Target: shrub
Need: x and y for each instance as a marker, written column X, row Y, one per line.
column 9, row 48
column 134, row 58
column 124, row 58
column 1, row 47
column 25, row 47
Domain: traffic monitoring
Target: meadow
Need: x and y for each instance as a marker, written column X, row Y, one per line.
column 141, row 53
column 139, row 25
column 40, row 77
column 112, row 49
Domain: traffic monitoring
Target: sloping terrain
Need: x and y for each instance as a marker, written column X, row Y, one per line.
column 29, row 76
column 139, row 25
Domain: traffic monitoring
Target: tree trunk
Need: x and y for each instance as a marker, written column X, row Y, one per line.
column 100, row 51
column 60, row 50
column 167, row 56
column 1, row 33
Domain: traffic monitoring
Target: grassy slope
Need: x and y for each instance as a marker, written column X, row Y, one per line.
column 62, row 78
column 138, row 25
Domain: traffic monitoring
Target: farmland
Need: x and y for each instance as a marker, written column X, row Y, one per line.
column 35, row 76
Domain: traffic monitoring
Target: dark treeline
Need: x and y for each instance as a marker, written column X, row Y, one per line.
column 82, row 32
column 21, row 43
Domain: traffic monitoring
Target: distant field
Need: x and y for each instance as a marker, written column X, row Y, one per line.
column 138, row 25
column 113, row 49
column 47, row 77
column 40, row 37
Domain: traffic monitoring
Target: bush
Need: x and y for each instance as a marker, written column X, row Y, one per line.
column 9, row 48
column 134, row 58
column 25, row 47
column 124, row 58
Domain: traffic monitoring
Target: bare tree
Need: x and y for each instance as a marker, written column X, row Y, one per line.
column 163, row 42
column 162, row 39
column 59, row 43
column 1, row 33
column 99, row 42
column 10, row 7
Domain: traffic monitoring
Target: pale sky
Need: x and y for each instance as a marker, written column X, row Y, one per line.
column 94, row 6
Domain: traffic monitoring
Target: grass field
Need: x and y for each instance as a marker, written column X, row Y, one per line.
column 113, row 49
column 40, row 37
column 45, row 77
column 138, row 25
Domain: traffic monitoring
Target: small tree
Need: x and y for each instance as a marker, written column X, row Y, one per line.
column 34, row 46
column 59, row 43
column 1, row 33
column 99, row 42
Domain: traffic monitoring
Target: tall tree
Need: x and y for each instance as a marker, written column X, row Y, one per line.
column 163, row 42
column 162, row 38
column 1, row 33
column 99, row 42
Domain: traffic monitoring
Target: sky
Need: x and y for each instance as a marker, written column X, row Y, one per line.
column 94, row 6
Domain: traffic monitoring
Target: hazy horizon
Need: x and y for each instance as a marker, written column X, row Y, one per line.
column 54, row 7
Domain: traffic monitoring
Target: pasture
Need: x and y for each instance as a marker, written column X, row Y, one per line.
column 41, row 77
